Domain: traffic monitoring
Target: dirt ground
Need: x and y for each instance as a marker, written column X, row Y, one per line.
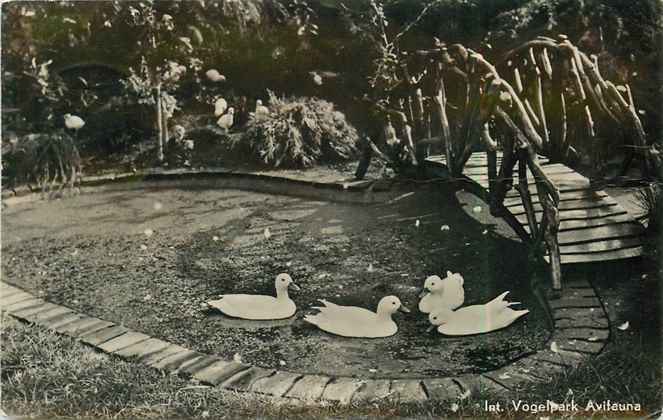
column 149, row 258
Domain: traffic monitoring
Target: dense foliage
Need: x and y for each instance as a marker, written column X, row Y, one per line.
column 281, row 45
column 299, row 132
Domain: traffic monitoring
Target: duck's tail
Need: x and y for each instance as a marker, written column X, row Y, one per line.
column 500, row 299
column 327, row 303
column 519, row 313
column 311, row 319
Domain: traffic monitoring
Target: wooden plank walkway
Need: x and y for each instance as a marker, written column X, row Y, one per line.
column 593, row 226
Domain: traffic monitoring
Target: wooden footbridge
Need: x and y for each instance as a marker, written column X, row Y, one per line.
column 593, row 226
column 505, row 130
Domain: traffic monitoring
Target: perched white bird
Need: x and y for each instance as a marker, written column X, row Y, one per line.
column 73, row 122
column 390, row 134
column 352, row 321
column 215, row 76
column 317, row 79
column 260, row 307
column 261, row 110
column 476, row 319
column 226, row 120
column 220, row 106
column 442, row 293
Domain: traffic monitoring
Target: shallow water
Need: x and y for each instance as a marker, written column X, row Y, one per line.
column 150, row 258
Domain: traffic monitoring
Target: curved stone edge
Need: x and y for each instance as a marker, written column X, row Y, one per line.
column 348, row 190
column 582, row 329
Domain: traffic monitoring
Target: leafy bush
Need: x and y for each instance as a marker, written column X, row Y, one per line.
column 49, row 160
column 650, row 200
column 298, row 132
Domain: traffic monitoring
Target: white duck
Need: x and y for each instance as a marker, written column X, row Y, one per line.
column 476, row 319
column 215, row 76
column 352, row 321
column 260, row 307
column 261, row 110
column 226, row 120
column 442, row 293
column 220, row 106
column 73, row 122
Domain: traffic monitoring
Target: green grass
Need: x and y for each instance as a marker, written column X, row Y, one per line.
column 49, row 376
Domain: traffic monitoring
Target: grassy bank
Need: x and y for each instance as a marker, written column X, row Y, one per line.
column 47, row 376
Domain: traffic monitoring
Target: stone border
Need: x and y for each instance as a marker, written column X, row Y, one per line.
column 350, row 191
column 582, row 329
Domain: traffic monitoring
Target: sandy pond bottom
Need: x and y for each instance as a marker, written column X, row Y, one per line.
column 149, row 258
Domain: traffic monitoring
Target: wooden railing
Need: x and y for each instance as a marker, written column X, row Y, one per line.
column 554, row 97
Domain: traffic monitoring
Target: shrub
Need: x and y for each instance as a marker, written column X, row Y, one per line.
column 299, row 132
column 49, row 160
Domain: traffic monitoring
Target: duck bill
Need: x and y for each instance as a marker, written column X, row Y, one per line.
column 431, row 328
column 404, row 309
column 295, row 286
column 423, row 292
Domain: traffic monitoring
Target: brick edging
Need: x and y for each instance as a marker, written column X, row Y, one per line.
column 579, row 333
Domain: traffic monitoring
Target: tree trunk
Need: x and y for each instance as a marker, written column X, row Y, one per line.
column 159, row 125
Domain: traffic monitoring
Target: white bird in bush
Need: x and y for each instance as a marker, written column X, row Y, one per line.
column 73, row 122
column 226, row 120
column 317, row 79
column 215, row 76
column 220, row 107
column 261, row 110
column 390, row 134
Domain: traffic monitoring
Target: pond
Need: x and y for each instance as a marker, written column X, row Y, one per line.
column 149, row 258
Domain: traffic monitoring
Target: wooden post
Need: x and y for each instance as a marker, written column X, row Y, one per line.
column 492, row 179
column 523, row 190
column 552, row 215
column 440, row 100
